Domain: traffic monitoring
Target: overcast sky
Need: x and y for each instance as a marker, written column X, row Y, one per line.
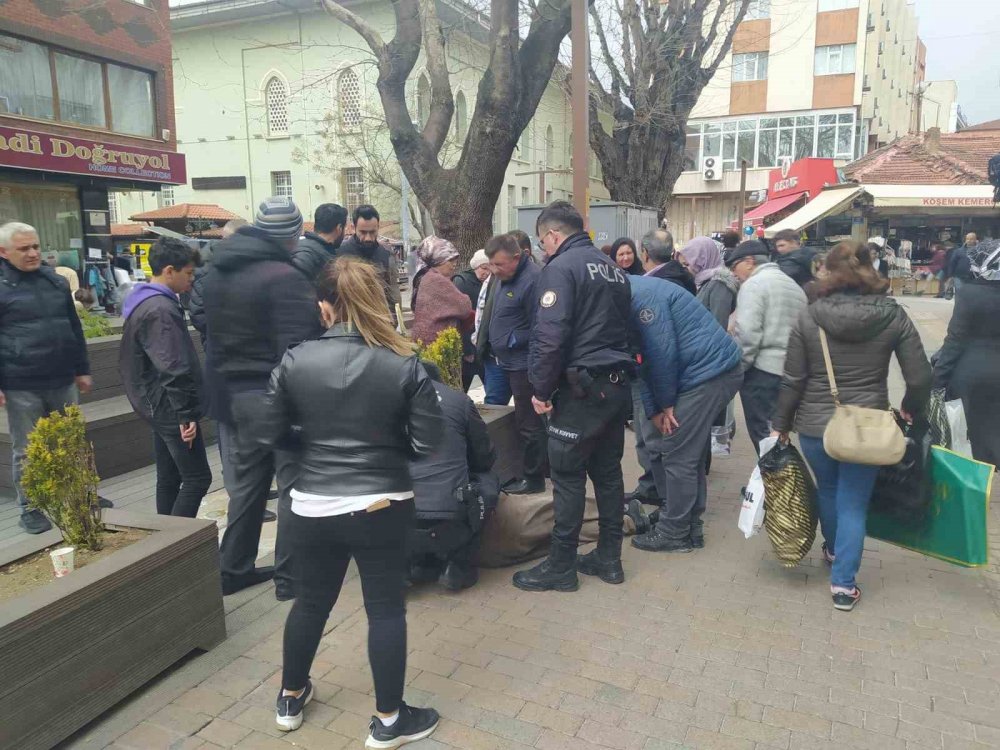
column 961, row 39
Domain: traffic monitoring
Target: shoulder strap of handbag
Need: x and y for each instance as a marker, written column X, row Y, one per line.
column 834, row 391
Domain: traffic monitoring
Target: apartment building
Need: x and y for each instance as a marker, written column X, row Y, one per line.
column 805, row 78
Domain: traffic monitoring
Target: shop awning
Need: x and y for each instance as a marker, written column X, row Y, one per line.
column 829, row 201
column 768, row 208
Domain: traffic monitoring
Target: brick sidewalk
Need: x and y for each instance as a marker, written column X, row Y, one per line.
column 722, row 648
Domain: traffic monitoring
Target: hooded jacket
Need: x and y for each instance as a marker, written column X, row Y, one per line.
column 682, row 344
column 766, row 308
column 158, row 362
column 41, row 338
column 863, row 332
column 256, row 306
column 312, row 255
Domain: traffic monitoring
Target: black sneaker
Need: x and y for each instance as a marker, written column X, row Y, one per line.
column 458, row 577
column 412, row 725
column 34, row 522
column 609, row 571
column 845, row 602
column 269, row 516
column 657, row 541
column 543, row 577
column 289, row 717
column 637, row 513
column 104, row 502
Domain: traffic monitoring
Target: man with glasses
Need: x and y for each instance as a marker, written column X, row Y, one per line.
column 43, row 355
column 768, row 304
column 579, row 368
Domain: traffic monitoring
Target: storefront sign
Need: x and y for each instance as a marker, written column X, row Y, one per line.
column 25, row 149
column 986, row 202
column 806, row 175
column 932, row 201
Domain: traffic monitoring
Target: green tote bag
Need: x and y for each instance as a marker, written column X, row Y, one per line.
column 955, row 528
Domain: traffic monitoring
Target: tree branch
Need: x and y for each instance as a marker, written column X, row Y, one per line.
column 360, row 25
column 442, row 102
column 609, row 59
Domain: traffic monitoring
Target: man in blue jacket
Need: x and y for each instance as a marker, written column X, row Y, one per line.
column 690, row 369
column 514, row 306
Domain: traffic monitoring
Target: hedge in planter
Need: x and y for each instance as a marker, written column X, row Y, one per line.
column 446, row 353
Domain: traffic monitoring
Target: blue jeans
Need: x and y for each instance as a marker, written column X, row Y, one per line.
column 844, row 493
column 497, row 384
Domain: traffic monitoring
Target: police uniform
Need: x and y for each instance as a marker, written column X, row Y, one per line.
column 580, row 361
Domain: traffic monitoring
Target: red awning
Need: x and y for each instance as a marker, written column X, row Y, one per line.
column 757, row 215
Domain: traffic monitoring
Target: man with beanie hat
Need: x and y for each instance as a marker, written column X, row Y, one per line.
column 256, row 306
column 768, row 304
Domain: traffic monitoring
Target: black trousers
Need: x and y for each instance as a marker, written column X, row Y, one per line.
column 182, row 473
column 436, row 542
column 530, row 426
column 322, row 549
column 587, row 438
column 469, row 372
column 759, row 396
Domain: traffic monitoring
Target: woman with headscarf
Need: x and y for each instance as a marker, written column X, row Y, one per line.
column 969, row 361
column 625, row 256
column 717, row 286
column 436, row 302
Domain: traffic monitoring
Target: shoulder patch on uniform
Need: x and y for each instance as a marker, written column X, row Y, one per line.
column 646, row 315
column 548, row 298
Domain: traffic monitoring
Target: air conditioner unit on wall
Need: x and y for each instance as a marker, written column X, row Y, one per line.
column 711, row 169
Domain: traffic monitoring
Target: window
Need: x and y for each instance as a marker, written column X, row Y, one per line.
column 349, row 95
column 113, row 209
column 166, row 196
column 511, row 209
column 525, row 197
column 751, row 66
column 353, row 185
column 423, row 100
column 281, row 184
column 550, row 147
column 81, row 91
column 835, row 59
column 825, row 5
column 25, row 79
column 758, row 9
column 131, row 101
column 276, row 101
column 524, row 144
column 461, row 115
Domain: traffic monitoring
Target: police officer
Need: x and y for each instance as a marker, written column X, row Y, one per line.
column 579, row 371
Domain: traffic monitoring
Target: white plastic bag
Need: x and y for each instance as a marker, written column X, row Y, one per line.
column 752, row 512
column 959, row 428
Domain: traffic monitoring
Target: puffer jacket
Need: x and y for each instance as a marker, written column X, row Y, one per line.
column 256, row 306
column 863, row 332
column 312, row 255
column 718, row 294
column 41, row 337
column 682, row 345
column 364, row 414
column 766, row 309
column 798, row 264
column 464, row 452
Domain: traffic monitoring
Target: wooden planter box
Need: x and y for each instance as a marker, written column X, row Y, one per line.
column 503, row 432
column 75, row 647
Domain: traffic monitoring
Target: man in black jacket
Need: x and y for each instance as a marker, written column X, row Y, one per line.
column 43, row 355
column 792, row 258
column 319, row 247
column 470, row 283
column 579, row 366
column 455, row 492
column 162, row 378
column 256, row 306
column 656, row 253
column 364, row 244
column 510, row 325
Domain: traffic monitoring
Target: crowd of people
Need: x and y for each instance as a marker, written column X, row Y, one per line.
column 314, row 386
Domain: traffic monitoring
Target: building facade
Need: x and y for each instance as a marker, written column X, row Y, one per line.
column 280, row 98
column 805, row 78
column 86, row 108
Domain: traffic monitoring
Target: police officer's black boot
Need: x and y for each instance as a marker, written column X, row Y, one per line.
column 557, row 572
column 458, row 575
column 595, row 564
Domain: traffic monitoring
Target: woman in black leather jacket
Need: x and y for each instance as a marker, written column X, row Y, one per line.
column 364, row 407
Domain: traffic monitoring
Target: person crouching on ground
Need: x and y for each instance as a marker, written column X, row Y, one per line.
column 455, row 493
column 690, row 370
column 366, row 408
column 864, row 328
column 162, row 377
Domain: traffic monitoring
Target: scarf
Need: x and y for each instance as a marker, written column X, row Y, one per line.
column 704, row 258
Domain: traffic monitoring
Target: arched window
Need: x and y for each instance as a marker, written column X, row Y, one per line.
column 423, row 100
column 524, row 144
column 276, row 100
column 550, row 146
column 461, row 113
column 349, row 94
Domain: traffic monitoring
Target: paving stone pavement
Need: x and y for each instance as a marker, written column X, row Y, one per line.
column 720, row 649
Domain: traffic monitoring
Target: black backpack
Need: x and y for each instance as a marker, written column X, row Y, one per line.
column 994, row 173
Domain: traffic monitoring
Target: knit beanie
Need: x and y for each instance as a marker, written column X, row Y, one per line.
column 279, row 217
column 479, row 258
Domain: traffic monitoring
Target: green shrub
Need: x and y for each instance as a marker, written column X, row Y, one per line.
column 446, row 353
column 60, row 478
column 95, row 325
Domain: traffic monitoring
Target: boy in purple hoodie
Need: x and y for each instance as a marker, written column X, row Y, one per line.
column 162, row 377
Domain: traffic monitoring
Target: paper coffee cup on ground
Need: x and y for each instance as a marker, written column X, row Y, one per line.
column 62, row 560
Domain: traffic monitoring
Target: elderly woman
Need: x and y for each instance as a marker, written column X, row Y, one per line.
column 436, row 302
column 624, row 254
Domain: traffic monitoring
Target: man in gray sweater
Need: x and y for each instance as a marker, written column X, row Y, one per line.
column 768, row 305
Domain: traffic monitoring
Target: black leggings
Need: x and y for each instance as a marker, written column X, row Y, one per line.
column 321, row 549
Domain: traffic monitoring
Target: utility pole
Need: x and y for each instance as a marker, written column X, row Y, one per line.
column 743, row 193
column 581, row 110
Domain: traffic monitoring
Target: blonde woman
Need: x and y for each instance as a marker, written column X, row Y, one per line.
column 365, row 407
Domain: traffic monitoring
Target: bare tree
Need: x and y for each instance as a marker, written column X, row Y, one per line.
column 460, row 197
column 651, row 60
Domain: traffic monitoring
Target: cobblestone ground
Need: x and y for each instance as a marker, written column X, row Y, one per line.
column 722, row 648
